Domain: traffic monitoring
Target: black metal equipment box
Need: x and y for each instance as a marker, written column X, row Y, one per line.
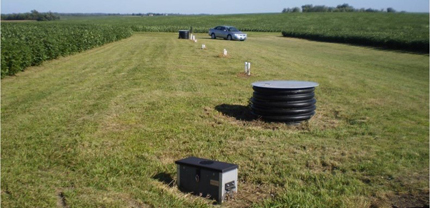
column 207, row 178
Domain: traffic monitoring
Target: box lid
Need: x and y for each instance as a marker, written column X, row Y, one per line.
column 207, row 164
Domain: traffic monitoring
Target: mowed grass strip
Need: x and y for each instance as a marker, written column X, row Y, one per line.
column 104, row 127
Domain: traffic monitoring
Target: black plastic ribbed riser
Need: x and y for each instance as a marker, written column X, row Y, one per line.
column 184, row 34
column 284, row 101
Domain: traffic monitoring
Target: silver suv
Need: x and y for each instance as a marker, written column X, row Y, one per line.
column 227, row 32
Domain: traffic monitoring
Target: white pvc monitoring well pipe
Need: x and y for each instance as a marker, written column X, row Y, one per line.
column 248, row 68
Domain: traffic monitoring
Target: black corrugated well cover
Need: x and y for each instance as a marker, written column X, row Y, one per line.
column 284, row 101
column 184, row 34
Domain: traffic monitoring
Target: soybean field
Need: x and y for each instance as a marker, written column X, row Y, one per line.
column 29, row 44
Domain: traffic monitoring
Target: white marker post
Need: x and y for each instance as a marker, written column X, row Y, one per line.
column 246, row 67
column 249, row 68
column 203, row 46
column 225, row 52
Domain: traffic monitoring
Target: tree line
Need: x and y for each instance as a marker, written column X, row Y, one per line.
column 339, row 8
column 33, row 15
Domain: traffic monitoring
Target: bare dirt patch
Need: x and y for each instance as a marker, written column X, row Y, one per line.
column 250, row 193
column 403, row 200
column 221, row 55
column 412, row 196
column 410, row 200
column 244, row 75
column 61, row 199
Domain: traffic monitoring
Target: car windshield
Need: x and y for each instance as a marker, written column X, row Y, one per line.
column 233, row 29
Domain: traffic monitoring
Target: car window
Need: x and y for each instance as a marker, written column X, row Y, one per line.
column 233, row 29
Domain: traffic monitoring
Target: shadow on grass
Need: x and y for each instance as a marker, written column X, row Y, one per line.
column 165, row 178
column 239, row 112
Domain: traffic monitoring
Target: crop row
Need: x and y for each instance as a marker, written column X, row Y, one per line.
column 29, row 44
column 373, row 40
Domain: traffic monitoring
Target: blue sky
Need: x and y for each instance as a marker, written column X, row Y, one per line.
column 196, row 6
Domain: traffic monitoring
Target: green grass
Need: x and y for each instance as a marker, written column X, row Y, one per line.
column 103, row 128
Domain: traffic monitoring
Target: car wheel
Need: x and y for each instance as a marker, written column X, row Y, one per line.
column 228, row 37
column 213, row 36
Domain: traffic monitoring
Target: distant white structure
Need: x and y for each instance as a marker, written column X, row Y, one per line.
column 225, row 52
column 203, row 46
